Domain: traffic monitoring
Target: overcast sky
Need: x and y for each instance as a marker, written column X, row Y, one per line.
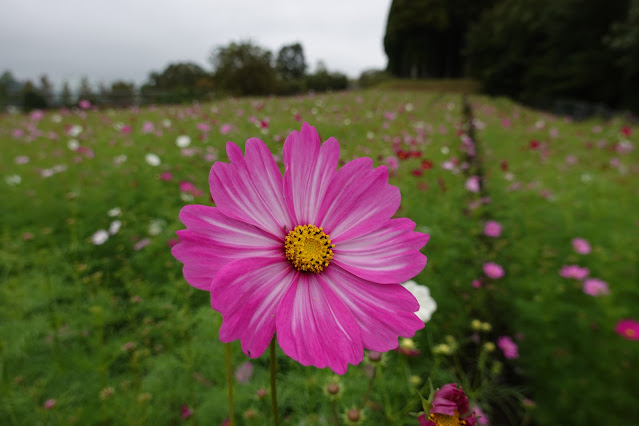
column 107, row 40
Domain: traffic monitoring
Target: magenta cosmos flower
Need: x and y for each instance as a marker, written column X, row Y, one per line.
column 492, row 229
column 508, row 347
column 580, row 245
column 628, row 328
column 493, row 270
column 313, row 256
column 448, row 407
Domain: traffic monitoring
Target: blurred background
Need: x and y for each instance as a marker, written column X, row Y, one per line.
column 577, row 57
column 508, row 125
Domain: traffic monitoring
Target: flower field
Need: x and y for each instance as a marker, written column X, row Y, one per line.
column 533, row 264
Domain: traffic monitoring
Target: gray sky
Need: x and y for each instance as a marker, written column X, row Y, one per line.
column 126, row 39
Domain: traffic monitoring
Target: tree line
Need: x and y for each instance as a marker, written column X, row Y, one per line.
column 536, row 51
column 238, row 69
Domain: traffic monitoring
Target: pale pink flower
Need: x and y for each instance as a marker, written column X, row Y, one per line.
column 84, row 104
column 147, row 127
column 574, row 271
column 244, row 372
column 312, row 257
column 492, row 229
column 493, row 270
column 508, row 347
column 49, row 403
column 580, row 246
column 472, row 184
column 482, row 418
column 142, row 243
column 225, row 129
column 595, row 287
column 392, row 162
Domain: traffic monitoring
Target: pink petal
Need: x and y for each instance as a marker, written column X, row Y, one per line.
column 388, row 255
column 383, row 311
column 251, row 188
column 248, row 293
column 213, row 240
column 314, row 327
column 309, row 170
column 358, row 200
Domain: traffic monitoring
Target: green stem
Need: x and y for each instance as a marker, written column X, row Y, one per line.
column 335, row 415
column 276, row 415
column 369, row 389
column 229, row 383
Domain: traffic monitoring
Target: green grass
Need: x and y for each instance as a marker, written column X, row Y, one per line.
column 116, row 336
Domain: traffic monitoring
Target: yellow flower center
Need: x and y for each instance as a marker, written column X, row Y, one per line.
column 444, row 420
column 629, row 332
column 308, row 248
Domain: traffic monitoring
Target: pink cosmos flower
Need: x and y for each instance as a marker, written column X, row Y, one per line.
column 313, row 256
column 628, row 329
column 493, row 270
column 595, row 287
column 225, row 128
column 186, row 412
column 482, row 418
column 49, row 403
column 508, row 347
column 574, row 271
column 492, row 229
column 580, row 245
column 449, row 406
column 472, row 184
column 244, row 372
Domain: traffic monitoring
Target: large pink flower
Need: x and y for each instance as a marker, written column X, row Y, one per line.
column 313, row 256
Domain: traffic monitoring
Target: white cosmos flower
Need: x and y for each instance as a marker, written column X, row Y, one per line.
column 156, row 226
column 73, row 144
column 75, row 130
column 115, row 211
column 427, row 304
column 100, row 237
column 13, row 180
column 114, row 227
column 153, row 159
column 183, row 141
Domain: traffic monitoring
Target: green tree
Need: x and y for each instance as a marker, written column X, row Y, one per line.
column 31, row 97
column 85, row 92
column 426, row 38
column 121, row 94
column 290, row 63
column 244, row 69
column 179, row 82
column 66, row 96
column 9, row 88
column 46, row 90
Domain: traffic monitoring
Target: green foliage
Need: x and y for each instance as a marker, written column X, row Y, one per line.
column 244, row 69
column 540, row 51
column 179, row 82
column 323, row 80
column 114, row 334
column 290, row 63
column 121, row 94
column 372, row 77
column 32, row 98
column 425, row 38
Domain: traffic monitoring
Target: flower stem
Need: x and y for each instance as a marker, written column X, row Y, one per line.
column 276, row 415
column 368, row 390
column 229, row 382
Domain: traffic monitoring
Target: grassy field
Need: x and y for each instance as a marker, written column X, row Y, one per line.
column 98, row 326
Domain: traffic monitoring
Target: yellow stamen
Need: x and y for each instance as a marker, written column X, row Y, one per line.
column 308, row 248
column 629, row 332
column 444, row 420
